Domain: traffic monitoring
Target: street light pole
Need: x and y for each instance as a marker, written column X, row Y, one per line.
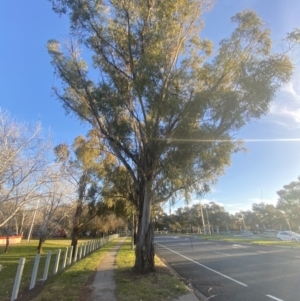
column 288, row 222
column 243, row 221
column 203, row 222
column 208, row 222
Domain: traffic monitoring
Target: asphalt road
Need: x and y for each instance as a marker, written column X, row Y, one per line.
column 233, row 272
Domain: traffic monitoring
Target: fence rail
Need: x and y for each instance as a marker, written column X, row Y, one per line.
column 80, row 252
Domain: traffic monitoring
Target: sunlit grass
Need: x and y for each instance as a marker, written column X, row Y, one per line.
column 158, row 286
column 256, row 239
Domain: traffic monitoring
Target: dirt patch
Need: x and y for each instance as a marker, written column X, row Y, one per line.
column 28, row 295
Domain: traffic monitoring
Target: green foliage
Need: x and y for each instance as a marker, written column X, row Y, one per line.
column 289, row 203
column 187, row 218
column 166, row 114
column 161, row 105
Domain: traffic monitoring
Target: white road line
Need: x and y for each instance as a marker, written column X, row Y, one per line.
column 241, row 283
column 261, row 252
column 238, row 246
column 274, row 298
column 221, row 253
column 297, row 256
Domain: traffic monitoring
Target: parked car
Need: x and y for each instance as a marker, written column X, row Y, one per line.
column 288, row 236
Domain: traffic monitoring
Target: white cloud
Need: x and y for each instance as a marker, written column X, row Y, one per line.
column 285, row 111
column 237, row 207
column 205, row 201
column 290, row 89
column 285, row 114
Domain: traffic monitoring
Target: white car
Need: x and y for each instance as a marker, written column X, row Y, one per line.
column 288, row 236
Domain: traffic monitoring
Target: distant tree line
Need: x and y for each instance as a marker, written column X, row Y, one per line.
column 60, row 191
column 213, row 218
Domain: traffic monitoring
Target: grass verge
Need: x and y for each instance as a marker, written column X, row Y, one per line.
column 159, row 286
column 257, row 240
column 68, row 284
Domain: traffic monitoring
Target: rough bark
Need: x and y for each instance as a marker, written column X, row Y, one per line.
column 144, row 251
column 74, row 237
column 42, row 239
column 76, row 226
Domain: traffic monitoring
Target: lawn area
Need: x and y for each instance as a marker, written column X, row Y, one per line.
column 259, row 239
column 159, row 286
column 66, row 284
column 73, row 283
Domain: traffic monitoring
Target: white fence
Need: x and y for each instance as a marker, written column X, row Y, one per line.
column 80, row 252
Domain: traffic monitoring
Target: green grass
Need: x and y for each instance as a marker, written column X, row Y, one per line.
column 73, row 283
column 66, row 284
column 257, row 239
column 158, row 286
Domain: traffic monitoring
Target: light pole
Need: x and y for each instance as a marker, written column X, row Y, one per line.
column 243, row 221
column 203, row 222
column 208, row 221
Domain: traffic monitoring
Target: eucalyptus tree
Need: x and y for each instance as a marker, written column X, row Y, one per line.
column 288, row 204
column 219, row 219
column 267, row 216
column 85, row 165
column 161, row 104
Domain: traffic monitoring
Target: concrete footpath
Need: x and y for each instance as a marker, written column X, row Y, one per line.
column 104, row 285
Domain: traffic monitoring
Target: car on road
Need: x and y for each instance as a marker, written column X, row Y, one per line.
column 288, row 236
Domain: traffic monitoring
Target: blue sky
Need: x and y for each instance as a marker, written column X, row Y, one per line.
column 26, row 77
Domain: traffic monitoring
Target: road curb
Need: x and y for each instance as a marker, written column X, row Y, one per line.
column 189, row 286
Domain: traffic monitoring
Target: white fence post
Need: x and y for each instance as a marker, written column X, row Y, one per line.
column 34, row 271
column 46, row 269
column 83, row 250
column 80, row 251
column 76, row 252
column 17, row 282
column 70, row 255
column 56, row 261
column 65, row 258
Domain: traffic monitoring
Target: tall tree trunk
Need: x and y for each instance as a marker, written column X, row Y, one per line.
column 22, row 223
column 40, row 246
column 144, row 251
column 74, row 237
column 76, row 226
column 16, row 226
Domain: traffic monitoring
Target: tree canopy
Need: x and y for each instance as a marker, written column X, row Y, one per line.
column 289, row 203
column 161, row 104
